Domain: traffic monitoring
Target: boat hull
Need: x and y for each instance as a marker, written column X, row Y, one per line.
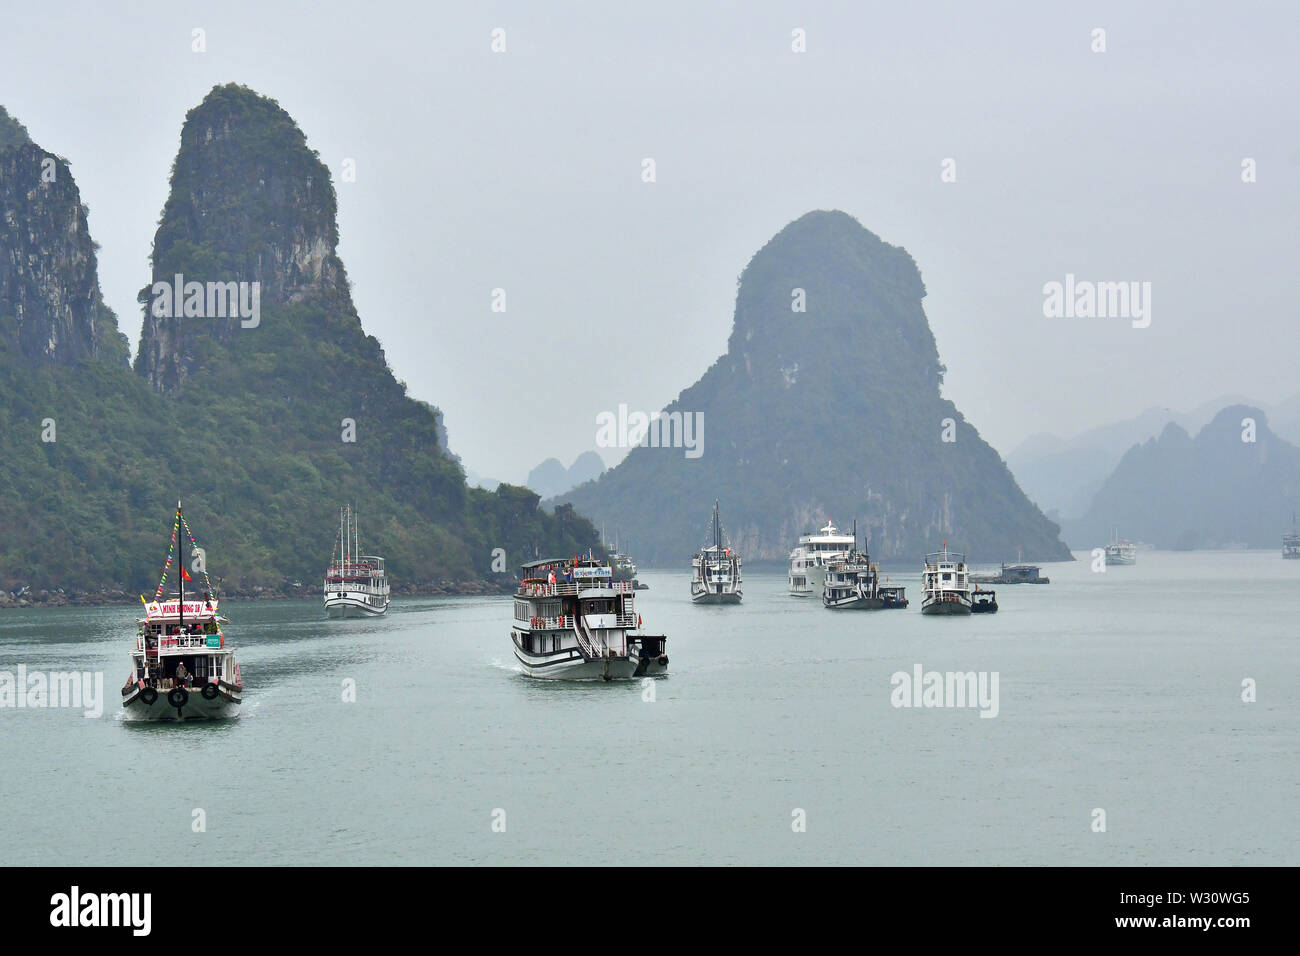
column 946, row 608
column 815, row 577
column 854, row 604
column 570, row 664
column 713, row 597
column 348, row 606
column 170, row 707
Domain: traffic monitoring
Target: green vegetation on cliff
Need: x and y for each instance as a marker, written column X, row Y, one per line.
column 12, row 132
column 245, row 423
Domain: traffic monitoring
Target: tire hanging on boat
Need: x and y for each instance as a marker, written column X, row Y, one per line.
column 178, row 697
column 148, row 695
column 206, row 689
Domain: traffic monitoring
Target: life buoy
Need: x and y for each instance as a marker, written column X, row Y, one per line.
column 148, row 696
column 209, row 691
column 178, row 697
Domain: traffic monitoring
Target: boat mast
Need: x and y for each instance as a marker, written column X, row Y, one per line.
column 180, row 578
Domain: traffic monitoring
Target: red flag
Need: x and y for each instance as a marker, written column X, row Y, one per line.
column 185, row 574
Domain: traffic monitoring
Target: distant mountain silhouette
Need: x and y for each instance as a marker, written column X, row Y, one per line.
column 551, row 478
column 831, row 412
column 1063, row 474
column 1180, row 492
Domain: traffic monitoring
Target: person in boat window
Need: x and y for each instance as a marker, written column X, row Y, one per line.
column 182, row 675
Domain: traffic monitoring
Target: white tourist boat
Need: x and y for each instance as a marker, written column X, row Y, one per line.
column 1121, row 552
column 356, row 584
column 574, row 622
column 715, row 570
column 945, row 583
column 853, row 583
column 1291, row 542
column 182, row 667
column 808, row 560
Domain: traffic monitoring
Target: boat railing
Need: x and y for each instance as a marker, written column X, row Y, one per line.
column 363, row 586
column 586, row 642
column 172, row 641
column 550, row 623
column 543, row 589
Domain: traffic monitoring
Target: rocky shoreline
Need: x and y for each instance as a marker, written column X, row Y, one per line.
column 60, row 597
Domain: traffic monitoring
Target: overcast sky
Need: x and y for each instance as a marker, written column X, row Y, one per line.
column 522, row 170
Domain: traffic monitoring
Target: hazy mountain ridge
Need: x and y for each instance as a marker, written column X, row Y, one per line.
column 830, row 413
column 1062, row 475
column 1176, row 491
column 551, row 478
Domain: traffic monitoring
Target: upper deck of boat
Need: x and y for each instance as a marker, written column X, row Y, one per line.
column 828, row 535
column 945, row 559
column 572, row 576
column 362, row 566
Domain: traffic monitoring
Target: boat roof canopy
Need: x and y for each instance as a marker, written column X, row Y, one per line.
column 543, row 563
column 583, row 562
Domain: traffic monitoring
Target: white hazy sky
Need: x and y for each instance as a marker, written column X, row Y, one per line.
column 521, row 170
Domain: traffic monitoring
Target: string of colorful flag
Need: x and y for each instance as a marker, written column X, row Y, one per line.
column 171, row 552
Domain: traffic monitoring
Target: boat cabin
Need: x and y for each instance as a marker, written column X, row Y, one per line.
column 892, row 596
column 945, row 571
column 181, row 644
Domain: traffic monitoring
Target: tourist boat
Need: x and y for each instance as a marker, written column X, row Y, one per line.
column 624, row 567
column 984, row 602
column 574, row 622
column 715, row 570
column 182, row 667
column 1121, row 552
column 356, row 584
column 892, row 597
column 808, row 560
column 1291, row 542
column 853, row 583
column 945, row 582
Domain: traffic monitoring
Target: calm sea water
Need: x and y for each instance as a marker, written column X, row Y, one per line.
column 1119, row 691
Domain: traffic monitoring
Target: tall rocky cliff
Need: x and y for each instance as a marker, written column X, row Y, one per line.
column 833, row 412
column 249, row 202
column 51, row 309
column 264, row 428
